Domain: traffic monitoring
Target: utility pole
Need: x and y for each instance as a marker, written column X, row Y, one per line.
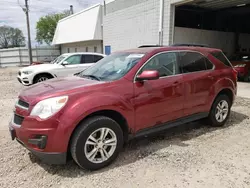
column 26, row 11
column 71, row 9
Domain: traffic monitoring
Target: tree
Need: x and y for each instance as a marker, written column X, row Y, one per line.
column 46, row 26
column 11, row 37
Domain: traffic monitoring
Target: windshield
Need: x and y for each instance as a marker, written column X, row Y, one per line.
column 112, row 67
column 58, row 59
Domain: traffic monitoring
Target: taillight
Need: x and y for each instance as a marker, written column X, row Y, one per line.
column 235, row 74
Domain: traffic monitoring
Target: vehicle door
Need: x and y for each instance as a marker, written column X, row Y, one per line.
column 159, row 101
column 198, row 79
column 70, row 66
column 88, row 60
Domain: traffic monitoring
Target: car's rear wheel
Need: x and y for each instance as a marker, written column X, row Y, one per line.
column 96, row 142
column 220, row 111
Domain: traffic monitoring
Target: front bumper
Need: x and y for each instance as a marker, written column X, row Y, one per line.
column 26, row 80
column 41, row 147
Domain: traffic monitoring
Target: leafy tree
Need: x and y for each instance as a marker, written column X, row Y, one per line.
column 46, row 26
column 11, row 37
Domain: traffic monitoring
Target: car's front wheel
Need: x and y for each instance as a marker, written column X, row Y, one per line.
column 41, row 78
column 220, row 111
column 96, row 142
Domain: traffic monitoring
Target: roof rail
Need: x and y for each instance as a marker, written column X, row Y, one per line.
column 150, row 45
column 195, row 45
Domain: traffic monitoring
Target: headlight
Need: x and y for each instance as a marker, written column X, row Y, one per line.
column 27, row 72
column 48, row 107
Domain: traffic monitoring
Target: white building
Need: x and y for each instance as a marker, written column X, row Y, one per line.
column 131, row 23
column 81, row 32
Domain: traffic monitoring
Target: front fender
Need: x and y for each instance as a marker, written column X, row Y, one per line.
column 81, row 107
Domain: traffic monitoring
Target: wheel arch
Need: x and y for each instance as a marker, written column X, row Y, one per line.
column 43, row 73
column 225, row 91
column 113, row 114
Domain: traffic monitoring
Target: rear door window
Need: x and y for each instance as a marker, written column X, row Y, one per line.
column 221, row 57
column 193, row 62
column 87, row 59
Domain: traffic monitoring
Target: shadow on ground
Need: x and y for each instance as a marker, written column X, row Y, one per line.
column 139, row 149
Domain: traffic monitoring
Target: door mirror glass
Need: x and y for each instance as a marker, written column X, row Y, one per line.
column 65, row 63
column 148, row 75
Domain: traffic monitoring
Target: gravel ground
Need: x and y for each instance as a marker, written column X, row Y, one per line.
column 188, row 156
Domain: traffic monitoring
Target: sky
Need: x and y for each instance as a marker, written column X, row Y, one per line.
column 11, row 13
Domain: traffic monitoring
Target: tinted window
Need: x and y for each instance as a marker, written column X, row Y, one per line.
column 97, row 58
column 192, row 62
column 165, row 64
column 221, row 57
column 75, row 59
column 209, row 65
column 87, row 59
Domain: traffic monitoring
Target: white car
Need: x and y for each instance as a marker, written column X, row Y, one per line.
column 65, row 65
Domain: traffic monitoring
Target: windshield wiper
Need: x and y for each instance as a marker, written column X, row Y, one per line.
column 91, row 76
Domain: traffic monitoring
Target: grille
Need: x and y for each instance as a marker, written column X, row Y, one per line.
column 18, row 120
column 22, row 104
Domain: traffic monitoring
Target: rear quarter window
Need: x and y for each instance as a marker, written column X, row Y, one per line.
column 221, row 57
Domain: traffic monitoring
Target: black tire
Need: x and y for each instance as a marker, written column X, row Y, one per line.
column 38, row 77
column 212, row 118
column 83, row 132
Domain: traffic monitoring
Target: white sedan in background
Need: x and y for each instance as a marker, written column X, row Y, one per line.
column 65, row 65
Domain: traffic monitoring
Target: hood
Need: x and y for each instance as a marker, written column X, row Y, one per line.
column 56, row 87
column 40, row 67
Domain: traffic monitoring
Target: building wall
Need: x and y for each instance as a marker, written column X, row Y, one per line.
column 82, row 47
column 244, row 42
column 216, row 39
column 131, row 23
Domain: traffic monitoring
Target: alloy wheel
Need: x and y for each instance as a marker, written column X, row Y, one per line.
column 42, row 79
column 100, row 145
column 222, row 110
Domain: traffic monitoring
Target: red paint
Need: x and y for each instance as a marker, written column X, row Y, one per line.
column 142, row 104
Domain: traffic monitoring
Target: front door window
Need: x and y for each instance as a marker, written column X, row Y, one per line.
column 73, row 60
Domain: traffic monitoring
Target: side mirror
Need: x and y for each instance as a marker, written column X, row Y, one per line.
column 65, row 63
column 148, row 75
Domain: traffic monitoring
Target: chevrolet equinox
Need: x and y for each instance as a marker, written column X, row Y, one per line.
column 125, row 95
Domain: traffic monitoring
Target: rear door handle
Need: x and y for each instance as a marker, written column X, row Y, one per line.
column 176, row 83
column 211, row 77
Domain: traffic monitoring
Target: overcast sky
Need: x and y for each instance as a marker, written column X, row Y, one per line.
column 12, row 14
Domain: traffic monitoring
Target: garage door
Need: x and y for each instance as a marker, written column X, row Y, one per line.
column 221, row 24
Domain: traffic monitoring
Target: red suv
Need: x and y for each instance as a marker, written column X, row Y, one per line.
column 127, row 94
